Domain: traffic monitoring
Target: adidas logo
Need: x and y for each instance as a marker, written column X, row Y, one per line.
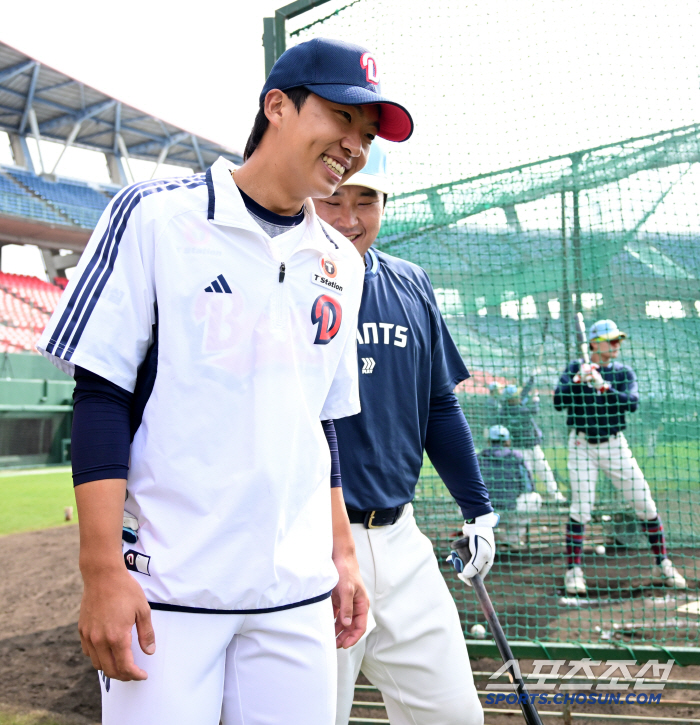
column 219, row 285
column 367, row 365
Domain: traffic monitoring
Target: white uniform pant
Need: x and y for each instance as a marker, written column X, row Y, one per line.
column 415, row 652
column 245, row 669
column 615, row 458
column 512, row 526
column 538, row 466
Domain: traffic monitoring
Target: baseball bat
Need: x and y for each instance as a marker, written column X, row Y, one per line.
column 525, row 394
column 581, row 338
column 529, row 711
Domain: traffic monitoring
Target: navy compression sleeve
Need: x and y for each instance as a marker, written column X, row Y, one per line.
column 449, row 445
column 101, row 435
column 329, row 430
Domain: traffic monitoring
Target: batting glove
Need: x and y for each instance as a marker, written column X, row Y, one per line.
column 474, row 554
column 584, row 373
column 596, row 381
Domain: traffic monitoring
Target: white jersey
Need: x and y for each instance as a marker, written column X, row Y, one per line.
column 230, row 469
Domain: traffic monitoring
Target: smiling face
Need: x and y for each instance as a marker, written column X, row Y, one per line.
column 355, row 212
column 322, row 144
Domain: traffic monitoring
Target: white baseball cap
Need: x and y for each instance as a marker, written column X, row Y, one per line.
column 374, row 175
column 605, row 330
column 499, row 433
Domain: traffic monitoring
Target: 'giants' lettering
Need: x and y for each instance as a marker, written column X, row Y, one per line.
column 372, row 334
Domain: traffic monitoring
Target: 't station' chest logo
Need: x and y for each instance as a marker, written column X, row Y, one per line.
column 327, row 314
column 328, row 267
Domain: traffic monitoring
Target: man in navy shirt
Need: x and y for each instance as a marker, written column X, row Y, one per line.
column 517, row 414
column 510, row 486
column 596, row 397
column 409, row 367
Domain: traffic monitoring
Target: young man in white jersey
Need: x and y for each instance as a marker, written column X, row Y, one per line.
column 210, row 327
column 414, row 650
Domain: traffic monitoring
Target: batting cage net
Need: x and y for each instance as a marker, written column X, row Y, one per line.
column 596, row 479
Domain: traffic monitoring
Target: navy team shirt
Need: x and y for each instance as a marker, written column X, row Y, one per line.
column 598, row 415
column 401, row 336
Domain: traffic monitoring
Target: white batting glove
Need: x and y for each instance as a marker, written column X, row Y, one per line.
column 596, row 380
column 474, row 554
column 584, row 373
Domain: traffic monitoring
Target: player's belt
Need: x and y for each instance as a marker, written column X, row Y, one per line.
column 595, row 440
column 376, row 518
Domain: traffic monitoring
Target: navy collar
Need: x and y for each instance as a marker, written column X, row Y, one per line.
column 371, row 263
column 268, row 216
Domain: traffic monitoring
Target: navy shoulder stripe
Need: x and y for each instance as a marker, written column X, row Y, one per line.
column 87, row 291
column 211, row 207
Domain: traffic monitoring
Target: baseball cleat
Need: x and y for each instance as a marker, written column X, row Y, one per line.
column 669, row 575
column 574, row 581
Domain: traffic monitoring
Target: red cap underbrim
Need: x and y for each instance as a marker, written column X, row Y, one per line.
column 395, row 123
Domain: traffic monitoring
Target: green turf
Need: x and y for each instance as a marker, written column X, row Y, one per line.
column 35, row 499
column 13, row 717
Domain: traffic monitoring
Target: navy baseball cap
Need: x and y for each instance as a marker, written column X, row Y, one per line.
column 342, row 73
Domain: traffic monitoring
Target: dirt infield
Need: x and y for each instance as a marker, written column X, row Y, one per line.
column 41, row 664
column 43, row 668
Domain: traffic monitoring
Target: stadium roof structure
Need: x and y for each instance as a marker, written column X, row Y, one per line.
column 55, row 213
column 42, row 102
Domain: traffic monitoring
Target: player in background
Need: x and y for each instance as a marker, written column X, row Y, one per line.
column 596, row 397
column 210, row 327
column 510, row 486
column 517, row 414
column 493, row 406
column 414, row 651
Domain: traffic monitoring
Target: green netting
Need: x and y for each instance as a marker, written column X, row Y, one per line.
column 612, row 231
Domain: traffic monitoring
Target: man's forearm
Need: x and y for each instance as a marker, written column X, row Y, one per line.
column 100, row 515
column 350, row 599
column 343, row 543
column 113, row 600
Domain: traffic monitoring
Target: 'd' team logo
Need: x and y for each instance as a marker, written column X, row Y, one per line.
column 368, row 62
column 328, row 267
column 327, row 314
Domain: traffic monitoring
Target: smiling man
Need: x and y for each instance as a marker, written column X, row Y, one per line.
column 209, row 364
column 414, row 649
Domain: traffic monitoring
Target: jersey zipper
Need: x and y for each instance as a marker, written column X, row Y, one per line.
column 278, row 311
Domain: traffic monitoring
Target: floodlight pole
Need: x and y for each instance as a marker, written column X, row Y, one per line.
column 274, row 29
column 565, row 307
column 576, row 234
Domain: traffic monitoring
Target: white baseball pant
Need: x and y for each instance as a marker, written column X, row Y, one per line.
column 245, row 669
column 615, row 458
column 415, row 652
column 512, row 527
column 538, row 466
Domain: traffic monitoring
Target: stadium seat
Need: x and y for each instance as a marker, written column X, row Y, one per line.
column 78, row 201
column 26, row 303
column 66, row 202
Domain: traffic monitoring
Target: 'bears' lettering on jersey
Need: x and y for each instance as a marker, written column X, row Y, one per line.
column 381, row 332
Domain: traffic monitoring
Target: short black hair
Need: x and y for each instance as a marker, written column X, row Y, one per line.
column 297, row 95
